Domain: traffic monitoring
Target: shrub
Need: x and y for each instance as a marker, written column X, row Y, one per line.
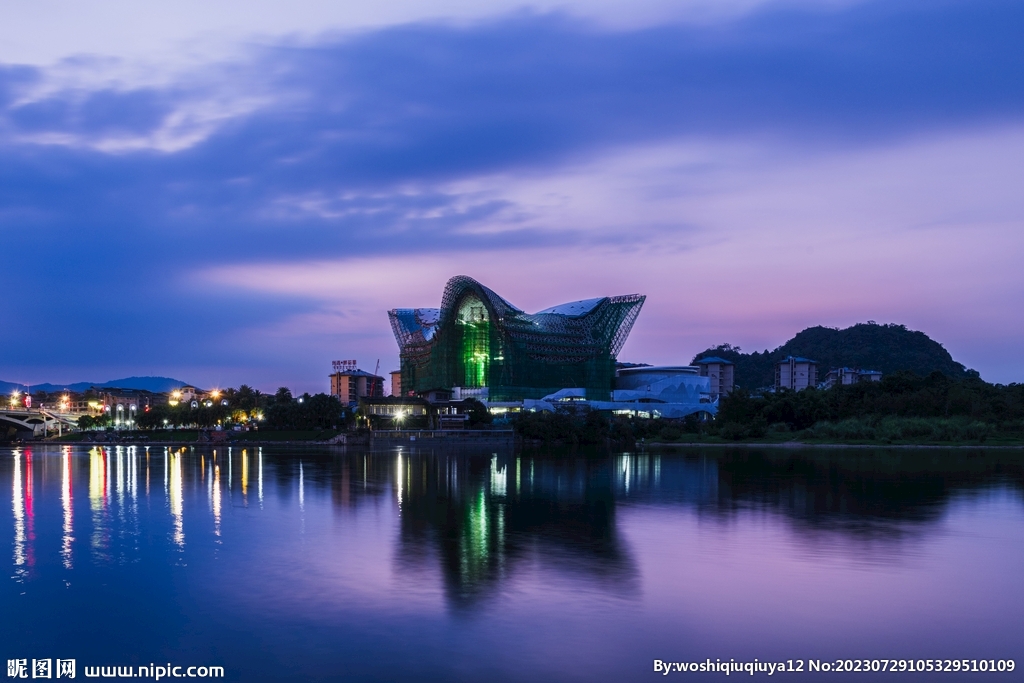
column 670, row 432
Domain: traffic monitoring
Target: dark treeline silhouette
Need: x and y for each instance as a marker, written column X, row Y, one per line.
column 245, row 405
column 902, row 406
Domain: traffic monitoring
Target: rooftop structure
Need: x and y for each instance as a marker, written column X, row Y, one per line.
column 478, row 340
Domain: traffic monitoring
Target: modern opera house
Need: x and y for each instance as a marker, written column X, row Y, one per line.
column 481, row 345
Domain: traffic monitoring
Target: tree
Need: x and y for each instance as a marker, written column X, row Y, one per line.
column 478, row 413
column 247, row 397
column 91, row 422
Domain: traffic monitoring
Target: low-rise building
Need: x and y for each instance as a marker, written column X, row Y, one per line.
column 721, row 372
column 844, row 376
column 401, row 412
column 351, row 385
column 796, row 374
column 394, row 408
column 123, row 405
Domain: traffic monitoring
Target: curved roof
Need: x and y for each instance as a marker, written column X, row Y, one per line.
column 568, row 332
column 414, row 324
column 573, row 308
column 659, row 370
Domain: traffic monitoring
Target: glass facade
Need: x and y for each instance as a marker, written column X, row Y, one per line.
column 477, row 339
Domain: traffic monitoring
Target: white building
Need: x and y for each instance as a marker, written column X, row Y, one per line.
column 721, row 374
column 850, row 376
column 796, row 374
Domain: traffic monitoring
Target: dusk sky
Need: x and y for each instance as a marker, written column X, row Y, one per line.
column 237, row 193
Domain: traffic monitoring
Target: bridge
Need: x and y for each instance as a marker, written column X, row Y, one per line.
column 25, row 423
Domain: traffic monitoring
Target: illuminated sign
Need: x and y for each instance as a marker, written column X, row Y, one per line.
column 343, row 365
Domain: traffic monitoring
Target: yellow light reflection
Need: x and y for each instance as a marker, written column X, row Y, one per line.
column 245, row 472
column 175, row 500
column 99, row 486
column 97, row 468
column 110, row 475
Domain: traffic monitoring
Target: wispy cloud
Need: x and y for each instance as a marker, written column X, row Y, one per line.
column 188, row 200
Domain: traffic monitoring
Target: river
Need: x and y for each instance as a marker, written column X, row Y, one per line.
column 434, row 564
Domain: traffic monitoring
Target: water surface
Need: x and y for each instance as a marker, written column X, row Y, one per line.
column 461, row 565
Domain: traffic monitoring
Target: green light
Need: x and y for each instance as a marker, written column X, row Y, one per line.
column 476, row 334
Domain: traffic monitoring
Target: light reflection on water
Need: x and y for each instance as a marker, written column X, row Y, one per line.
column 460, row 565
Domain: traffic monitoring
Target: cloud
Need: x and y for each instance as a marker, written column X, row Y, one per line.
column 191, row 31
column 183, row 201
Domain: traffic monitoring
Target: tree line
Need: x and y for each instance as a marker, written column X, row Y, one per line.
column 242, row 406
column 902, row 405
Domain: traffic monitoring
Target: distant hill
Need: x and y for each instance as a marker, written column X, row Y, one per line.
column 869, row 346
column 156, row 384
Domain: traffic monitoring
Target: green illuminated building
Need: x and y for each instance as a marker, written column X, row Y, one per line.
column 478, row 340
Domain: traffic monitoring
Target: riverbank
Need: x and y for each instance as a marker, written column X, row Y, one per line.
column 790, row 440
column 177, row 438
column 811, row 445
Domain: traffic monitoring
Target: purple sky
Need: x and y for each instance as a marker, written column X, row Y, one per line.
column 238, row 195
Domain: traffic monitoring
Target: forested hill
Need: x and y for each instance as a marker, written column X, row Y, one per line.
column 887, row 348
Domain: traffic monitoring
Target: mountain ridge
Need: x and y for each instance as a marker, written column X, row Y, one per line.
column 154, row 384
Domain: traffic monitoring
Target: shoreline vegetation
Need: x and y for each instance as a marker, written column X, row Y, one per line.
column 903, row 409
